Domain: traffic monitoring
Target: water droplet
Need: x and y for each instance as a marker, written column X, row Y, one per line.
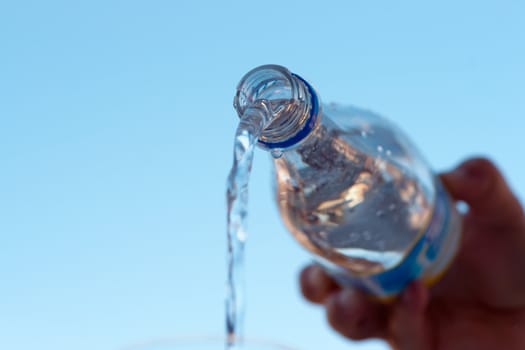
column 276, row 153
column 462, row 207
column 381, row 164
column 354, row 236
column 242, row 235
column 364, row 134
column 380, row 213
column 388, row 152
column 392, row 207
column 380, row 149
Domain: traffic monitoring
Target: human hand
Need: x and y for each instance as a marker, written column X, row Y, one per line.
column 479, row 303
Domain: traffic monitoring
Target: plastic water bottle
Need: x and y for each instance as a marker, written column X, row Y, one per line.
column 351, row 188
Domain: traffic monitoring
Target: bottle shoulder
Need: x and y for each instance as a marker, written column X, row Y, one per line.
column 349, row 118
column 368, row 132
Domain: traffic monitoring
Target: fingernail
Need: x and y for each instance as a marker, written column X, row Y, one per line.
column 316, row 276
column 346, row 296
column 345, row 303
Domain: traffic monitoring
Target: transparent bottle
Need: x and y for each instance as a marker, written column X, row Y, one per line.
column 351, row 188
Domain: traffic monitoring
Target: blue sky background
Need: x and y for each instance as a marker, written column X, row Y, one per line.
column 116, row 127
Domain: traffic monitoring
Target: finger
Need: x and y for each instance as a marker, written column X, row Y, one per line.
column 316, row 285
column 481, row 185
column 408, row 329
column 350, row 313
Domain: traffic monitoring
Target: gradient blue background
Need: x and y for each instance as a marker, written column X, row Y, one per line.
column 116, row 126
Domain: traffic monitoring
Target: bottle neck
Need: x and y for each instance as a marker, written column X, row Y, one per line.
column 301, row 121
column 291, row 105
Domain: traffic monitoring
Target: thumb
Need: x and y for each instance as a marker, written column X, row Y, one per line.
column 481, row 185
column 408, row 327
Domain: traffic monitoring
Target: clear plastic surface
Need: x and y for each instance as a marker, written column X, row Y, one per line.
column 355, row 192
